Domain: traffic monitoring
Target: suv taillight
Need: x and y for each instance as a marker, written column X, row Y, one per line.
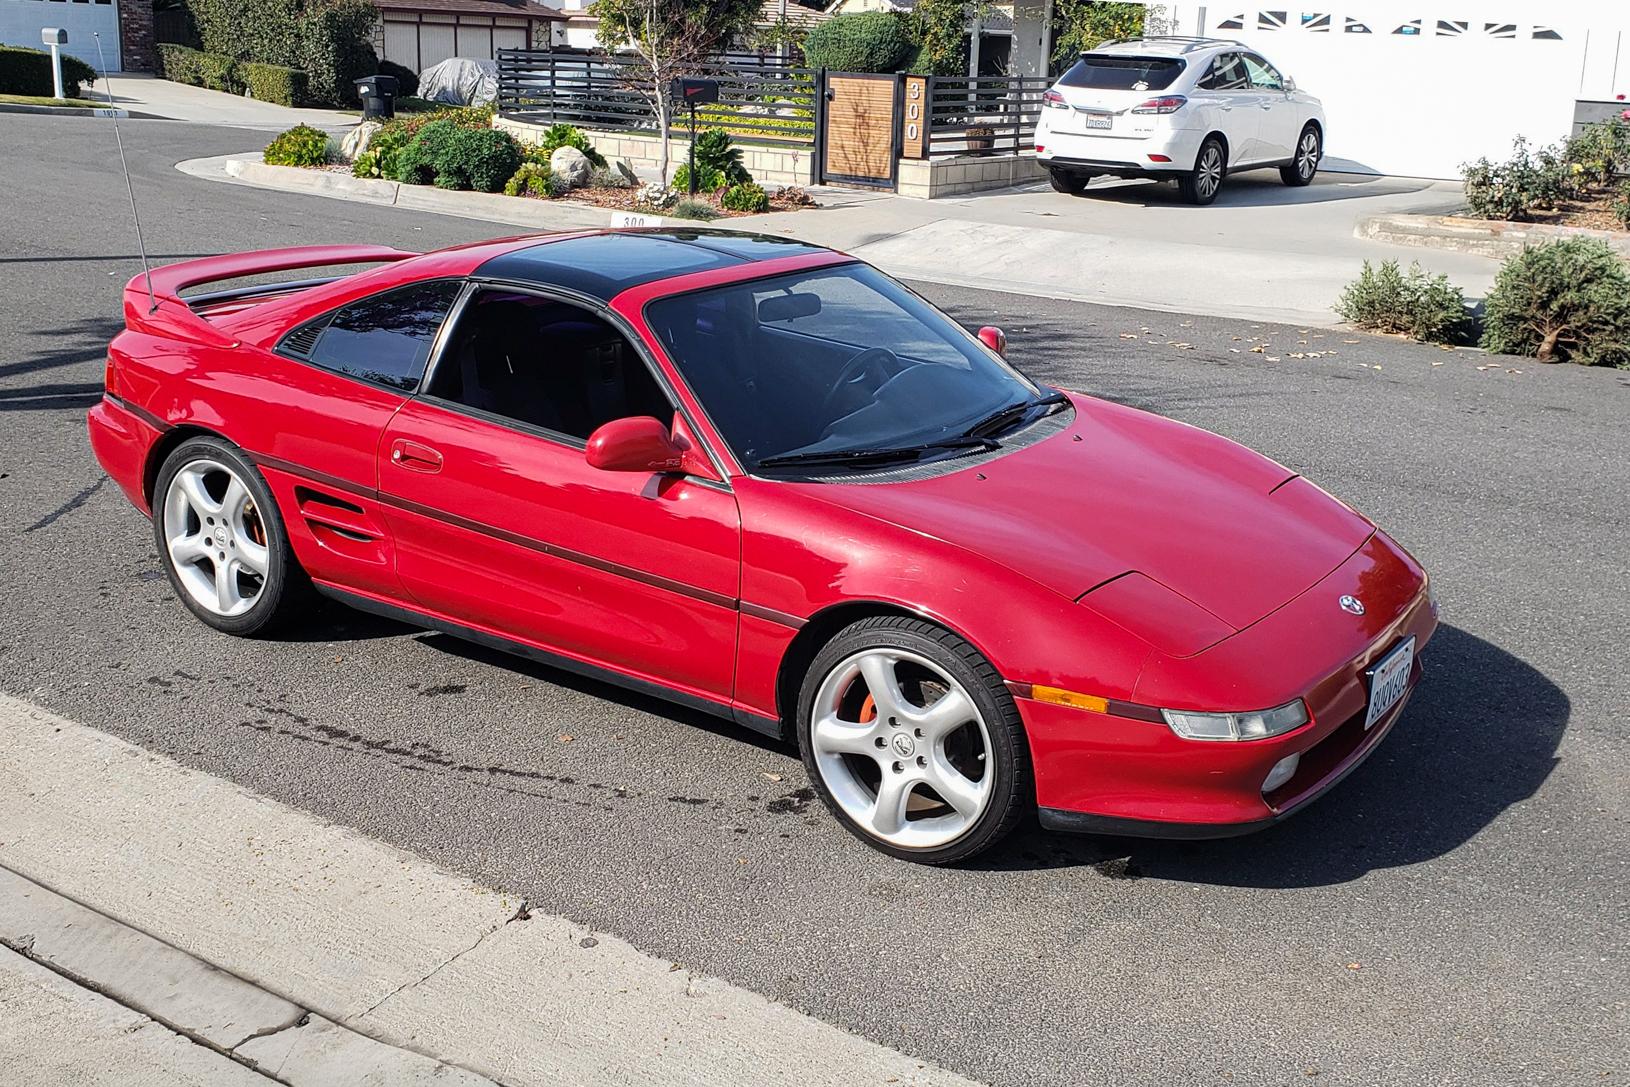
column 1170, row 103
column 1054, row 100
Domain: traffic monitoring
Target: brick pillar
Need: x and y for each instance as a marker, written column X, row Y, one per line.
column 136, row 35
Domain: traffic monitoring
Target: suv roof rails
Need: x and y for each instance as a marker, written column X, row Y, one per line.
column 1191, row 43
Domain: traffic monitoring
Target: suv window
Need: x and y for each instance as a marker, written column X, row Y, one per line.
column 1227, row 73
column 546, row 364
column 1264, row 76
column 1111, row 73
column 384, row 339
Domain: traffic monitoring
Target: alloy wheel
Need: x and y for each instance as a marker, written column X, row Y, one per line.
column 215, row 537
column 1208, row 178
column 1307, row 154
column 902, row 748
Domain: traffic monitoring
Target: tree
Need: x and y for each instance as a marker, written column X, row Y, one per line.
column 669, row 38
column 941, row 30
column 1081, row 25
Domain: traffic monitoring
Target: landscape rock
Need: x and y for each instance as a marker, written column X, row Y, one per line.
column 626, row 168
column 571, row 166
column 356, row 141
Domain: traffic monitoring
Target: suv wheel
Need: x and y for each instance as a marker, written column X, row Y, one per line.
column 1066, row 181
column 1201, row 185
column 1309, row 149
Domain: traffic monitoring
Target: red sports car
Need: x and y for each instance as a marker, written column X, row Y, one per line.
column 762, row 478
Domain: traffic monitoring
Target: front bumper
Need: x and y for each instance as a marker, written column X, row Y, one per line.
column 1109, row 774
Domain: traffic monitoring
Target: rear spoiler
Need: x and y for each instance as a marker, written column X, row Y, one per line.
column 163, row 311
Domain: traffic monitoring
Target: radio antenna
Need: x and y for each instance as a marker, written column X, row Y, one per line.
column 141, row 246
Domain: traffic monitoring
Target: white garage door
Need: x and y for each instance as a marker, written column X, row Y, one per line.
column 22, row 20
column 1417, row 89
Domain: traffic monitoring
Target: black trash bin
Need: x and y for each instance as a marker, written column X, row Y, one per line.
column 378, row 94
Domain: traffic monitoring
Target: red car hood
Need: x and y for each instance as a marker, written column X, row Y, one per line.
column 1121, row 490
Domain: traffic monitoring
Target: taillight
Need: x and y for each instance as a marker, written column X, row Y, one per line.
column 1171, row 103
column 1054, row 100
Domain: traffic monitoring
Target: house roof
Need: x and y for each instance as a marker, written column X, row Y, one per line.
column 523, row 9
column 798, row 13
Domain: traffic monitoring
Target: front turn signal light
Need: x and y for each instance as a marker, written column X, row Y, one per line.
column 1258, row 725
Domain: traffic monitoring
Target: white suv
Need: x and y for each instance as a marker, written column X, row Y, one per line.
column 1188, row 110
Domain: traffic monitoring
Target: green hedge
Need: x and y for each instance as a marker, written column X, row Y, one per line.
column 217, row 71
column 867, row 41
column 274, row 83
column 28, row 71
column 329, row 40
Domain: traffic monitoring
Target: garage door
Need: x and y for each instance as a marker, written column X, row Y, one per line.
column 22, row 20
column 1418, row 89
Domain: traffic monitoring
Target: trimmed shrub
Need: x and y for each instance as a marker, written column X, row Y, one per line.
column 179, row 64
column 407, row 80
column 1426, row 307
column 218, row 72
column 715, row 151
column 301, row 145
column 273, row 83
column 706, row 180
column 695, row 209
column 1567, row 301
column 746, row 196
column 1516, row 188
column 28, row 71
column 336, row 47
column 533, row 179
column 563, row 135
column 868, row 41
column 451, row 157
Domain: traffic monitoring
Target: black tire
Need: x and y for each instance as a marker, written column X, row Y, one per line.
column 1007, row 758
column 1066, row 181
column 1305, row 164
column 1202, row 184
column 283, row 590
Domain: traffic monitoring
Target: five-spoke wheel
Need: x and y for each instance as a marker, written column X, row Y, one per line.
column 912, row 741
column 1309, row 149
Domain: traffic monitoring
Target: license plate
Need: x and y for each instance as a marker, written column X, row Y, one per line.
column 1389, row 679
column 1098, row 120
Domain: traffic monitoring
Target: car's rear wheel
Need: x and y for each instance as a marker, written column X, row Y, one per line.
column 913, row 741
column 1201, row 184
column 1309, row 149
column 222, row 540
column 1068, row 181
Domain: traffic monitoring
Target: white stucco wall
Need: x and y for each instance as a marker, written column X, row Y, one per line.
column 1421, row 104
column 22, row 20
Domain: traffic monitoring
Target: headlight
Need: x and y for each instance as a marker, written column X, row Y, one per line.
column 1237, row 726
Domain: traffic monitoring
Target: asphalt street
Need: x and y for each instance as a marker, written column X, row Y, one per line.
column 1455, row 913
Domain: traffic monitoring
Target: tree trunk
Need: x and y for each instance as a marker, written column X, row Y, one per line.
column 1547, row 346
column 662, row 129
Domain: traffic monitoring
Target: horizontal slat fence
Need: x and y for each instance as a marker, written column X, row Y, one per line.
column 1006, row 106
column 762, row 102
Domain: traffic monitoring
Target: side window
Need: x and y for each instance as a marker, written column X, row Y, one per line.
column 547, row 364
column 1263, row 75
column 384, row 339
column 1226, row 74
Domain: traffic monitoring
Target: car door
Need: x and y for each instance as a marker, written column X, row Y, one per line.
column 502, row 526
column 1280, row 114
column 1236, row 105
column 336, row 381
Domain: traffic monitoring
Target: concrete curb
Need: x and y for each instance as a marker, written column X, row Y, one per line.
column 198, row 1001
column 66, row 111
column 1484, row 237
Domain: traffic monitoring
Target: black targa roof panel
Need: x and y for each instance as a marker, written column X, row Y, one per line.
column 605, row 265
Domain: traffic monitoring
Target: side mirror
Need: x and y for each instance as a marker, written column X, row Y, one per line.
column 1290, row 85
column 995, row 339
column 636, row 444
column 643, row 444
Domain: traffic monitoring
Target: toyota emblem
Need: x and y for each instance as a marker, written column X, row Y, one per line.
column 1352, row 604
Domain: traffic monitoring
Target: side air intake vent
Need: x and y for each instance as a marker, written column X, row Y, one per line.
column 300, row 342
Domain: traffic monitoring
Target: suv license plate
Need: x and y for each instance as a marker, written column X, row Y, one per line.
column 1099, row 120
column 1389, row 679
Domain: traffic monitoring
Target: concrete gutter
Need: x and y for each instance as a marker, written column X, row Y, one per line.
column 67, row 111
column 1484, row 237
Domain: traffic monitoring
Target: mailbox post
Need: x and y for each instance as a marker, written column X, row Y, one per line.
column 56, row 38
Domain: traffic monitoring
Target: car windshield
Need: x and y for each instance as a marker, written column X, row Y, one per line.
column 1107, row 73
column 840, row 364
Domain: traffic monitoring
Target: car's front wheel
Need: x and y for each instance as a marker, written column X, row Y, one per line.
column 1309, row 149
column 913, row 741
column 1201, row 184
column 1068, row 181
column 222, row 540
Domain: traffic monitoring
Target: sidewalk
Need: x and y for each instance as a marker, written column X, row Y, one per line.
column 149, row 96
column 302, row 947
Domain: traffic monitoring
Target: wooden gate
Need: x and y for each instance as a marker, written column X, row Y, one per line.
column 859, row 129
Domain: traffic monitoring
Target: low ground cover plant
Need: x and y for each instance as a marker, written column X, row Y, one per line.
column 1386, row 299
column 747, row 196
column 28, row 71
column 533, row 179
column 301, row 145
column 1565, row 301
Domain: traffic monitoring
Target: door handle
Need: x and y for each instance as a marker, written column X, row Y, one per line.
column 412, row 455
column 1265, row 105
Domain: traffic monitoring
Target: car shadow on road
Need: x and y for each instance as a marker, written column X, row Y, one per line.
column 1479, row 736
column 1255, row 189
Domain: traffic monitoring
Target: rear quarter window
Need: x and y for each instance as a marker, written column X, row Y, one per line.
column 1108, row 73
column 385, row 339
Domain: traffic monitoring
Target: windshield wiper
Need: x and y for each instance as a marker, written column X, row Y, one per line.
column 1002, row 418
column 855, row 457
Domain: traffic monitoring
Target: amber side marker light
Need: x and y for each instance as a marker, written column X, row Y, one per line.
column 1061, row 697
